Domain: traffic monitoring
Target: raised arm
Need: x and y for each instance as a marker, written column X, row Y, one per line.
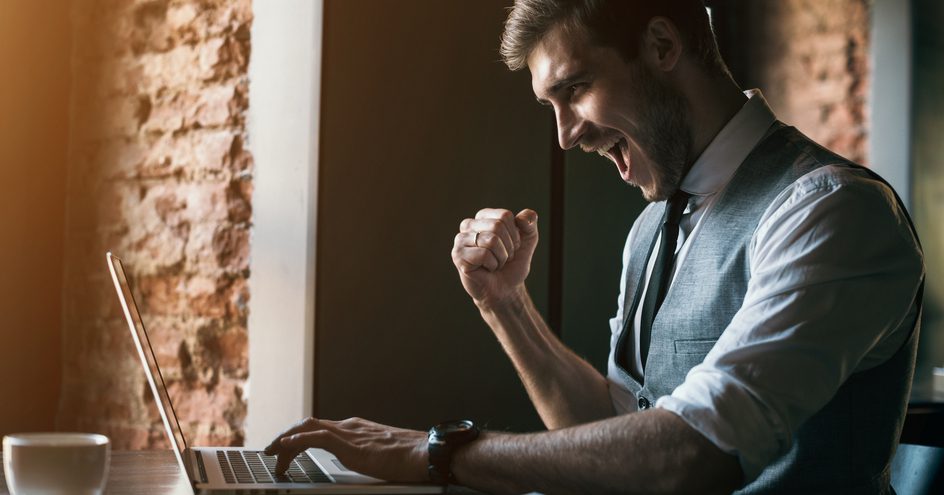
column 492, row 253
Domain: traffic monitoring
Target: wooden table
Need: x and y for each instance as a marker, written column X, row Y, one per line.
column 144, row 472
column 155, row 472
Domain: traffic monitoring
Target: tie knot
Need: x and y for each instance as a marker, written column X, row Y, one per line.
column 675, row 206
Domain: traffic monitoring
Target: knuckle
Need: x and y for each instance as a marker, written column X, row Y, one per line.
column 352, row 421
column 506, row 216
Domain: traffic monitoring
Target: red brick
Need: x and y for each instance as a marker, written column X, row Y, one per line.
column 238, row 298
column 231, row 246
column 151, row 32
column 156, row 249
column 181, row 16
column 239, row 201
column 181, row 67
column 159, row 293
column 199, row 249
column 200, row 404
column 239, row 160
column 207, row 201
column 226, row 348
column 168, row 112
column 217, row 106
column 212, row 151
column 206, row 296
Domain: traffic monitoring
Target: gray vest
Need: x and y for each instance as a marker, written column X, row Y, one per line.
column 847, row 446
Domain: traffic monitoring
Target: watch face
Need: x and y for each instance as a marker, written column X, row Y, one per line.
column 450, row 427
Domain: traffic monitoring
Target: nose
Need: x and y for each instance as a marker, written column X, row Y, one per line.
column 570, row 127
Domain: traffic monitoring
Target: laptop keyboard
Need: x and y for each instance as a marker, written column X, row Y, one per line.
column 253, row 466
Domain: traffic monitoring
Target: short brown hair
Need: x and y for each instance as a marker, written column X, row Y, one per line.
column 614, row 23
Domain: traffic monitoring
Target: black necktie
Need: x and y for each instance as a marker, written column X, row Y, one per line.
column 662, row 270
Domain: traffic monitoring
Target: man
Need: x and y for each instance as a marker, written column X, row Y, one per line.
column 767, row 322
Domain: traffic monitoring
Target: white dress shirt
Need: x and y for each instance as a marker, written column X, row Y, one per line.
column 802, row 328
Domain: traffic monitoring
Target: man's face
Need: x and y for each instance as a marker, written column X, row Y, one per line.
column 618, row 109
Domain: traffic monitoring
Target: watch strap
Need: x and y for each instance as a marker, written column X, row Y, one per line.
column 444, row 440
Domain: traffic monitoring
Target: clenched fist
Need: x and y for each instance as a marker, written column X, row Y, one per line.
column 493, row 253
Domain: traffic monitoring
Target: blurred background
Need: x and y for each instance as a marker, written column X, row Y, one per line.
column 127, row 125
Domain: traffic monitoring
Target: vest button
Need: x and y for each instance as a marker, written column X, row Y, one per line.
column 644, row 404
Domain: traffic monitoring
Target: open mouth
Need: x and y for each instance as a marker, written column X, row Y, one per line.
column 616, row 150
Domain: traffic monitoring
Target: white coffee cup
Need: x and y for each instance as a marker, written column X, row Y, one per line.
column 56, row 463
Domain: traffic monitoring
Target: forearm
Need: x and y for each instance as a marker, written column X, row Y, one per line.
column 649, row 452
column 565, row 389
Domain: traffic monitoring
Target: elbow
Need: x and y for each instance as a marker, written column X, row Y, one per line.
column 697, row 465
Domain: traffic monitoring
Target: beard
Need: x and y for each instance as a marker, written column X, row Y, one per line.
column 666, row 133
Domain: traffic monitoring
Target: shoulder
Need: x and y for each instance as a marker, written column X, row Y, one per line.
column 846, row 203
column 852, row 190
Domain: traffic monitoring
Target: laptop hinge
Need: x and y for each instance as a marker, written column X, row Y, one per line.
column 196, row 470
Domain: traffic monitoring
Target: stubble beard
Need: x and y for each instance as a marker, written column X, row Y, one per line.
column 666, row 136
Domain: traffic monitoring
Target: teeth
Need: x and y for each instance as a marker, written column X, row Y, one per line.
column 602, row 149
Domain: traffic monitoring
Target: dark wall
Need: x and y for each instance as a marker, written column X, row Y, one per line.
column 422, row 126
column 928, row 177
column 599, row 209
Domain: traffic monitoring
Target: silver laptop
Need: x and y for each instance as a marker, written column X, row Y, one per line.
column 239, row 469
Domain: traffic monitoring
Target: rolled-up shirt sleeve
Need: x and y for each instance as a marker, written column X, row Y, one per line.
column 834, row 274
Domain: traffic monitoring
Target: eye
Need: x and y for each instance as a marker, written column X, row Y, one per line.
column 576, row 89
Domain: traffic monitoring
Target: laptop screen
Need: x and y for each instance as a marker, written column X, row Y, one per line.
column 151, row 369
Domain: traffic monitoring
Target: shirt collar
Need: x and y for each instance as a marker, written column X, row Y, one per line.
column 717, row 164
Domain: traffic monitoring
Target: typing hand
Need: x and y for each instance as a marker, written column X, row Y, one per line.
column 493, row 253
column 369, row 448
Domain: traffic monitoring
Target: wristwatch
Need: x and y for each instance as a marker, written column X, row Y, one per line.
column 444, row 439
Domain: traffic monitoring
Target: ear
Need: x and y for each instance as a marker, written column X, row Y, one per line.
column 662, row 43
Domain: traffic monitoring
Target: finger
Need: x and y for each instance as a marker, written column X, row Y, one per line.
column 494, row 226
column 293, row 445
column 470, row 259
column 491, row 242
column 507, row 218
column 306, row 424
column 487, row 224
column 527, row 222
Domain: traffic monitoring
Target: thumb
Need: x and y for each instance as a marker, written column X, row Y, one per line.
column 527, row 222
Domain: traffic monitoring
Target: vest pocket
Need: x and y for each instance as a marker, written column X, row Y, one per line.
column 694, row 346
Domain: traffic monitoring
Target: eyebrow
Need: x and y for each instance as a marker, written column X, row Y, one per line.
column 562, row 83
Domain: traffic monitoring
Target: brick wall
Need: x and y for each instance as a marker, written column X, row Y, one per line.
column 159, row 174
column 810, row 57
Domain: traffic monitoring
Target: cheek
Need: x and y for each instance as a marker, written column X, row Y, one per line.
column 618, row 114
column 596, row 107
column 644, row 171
